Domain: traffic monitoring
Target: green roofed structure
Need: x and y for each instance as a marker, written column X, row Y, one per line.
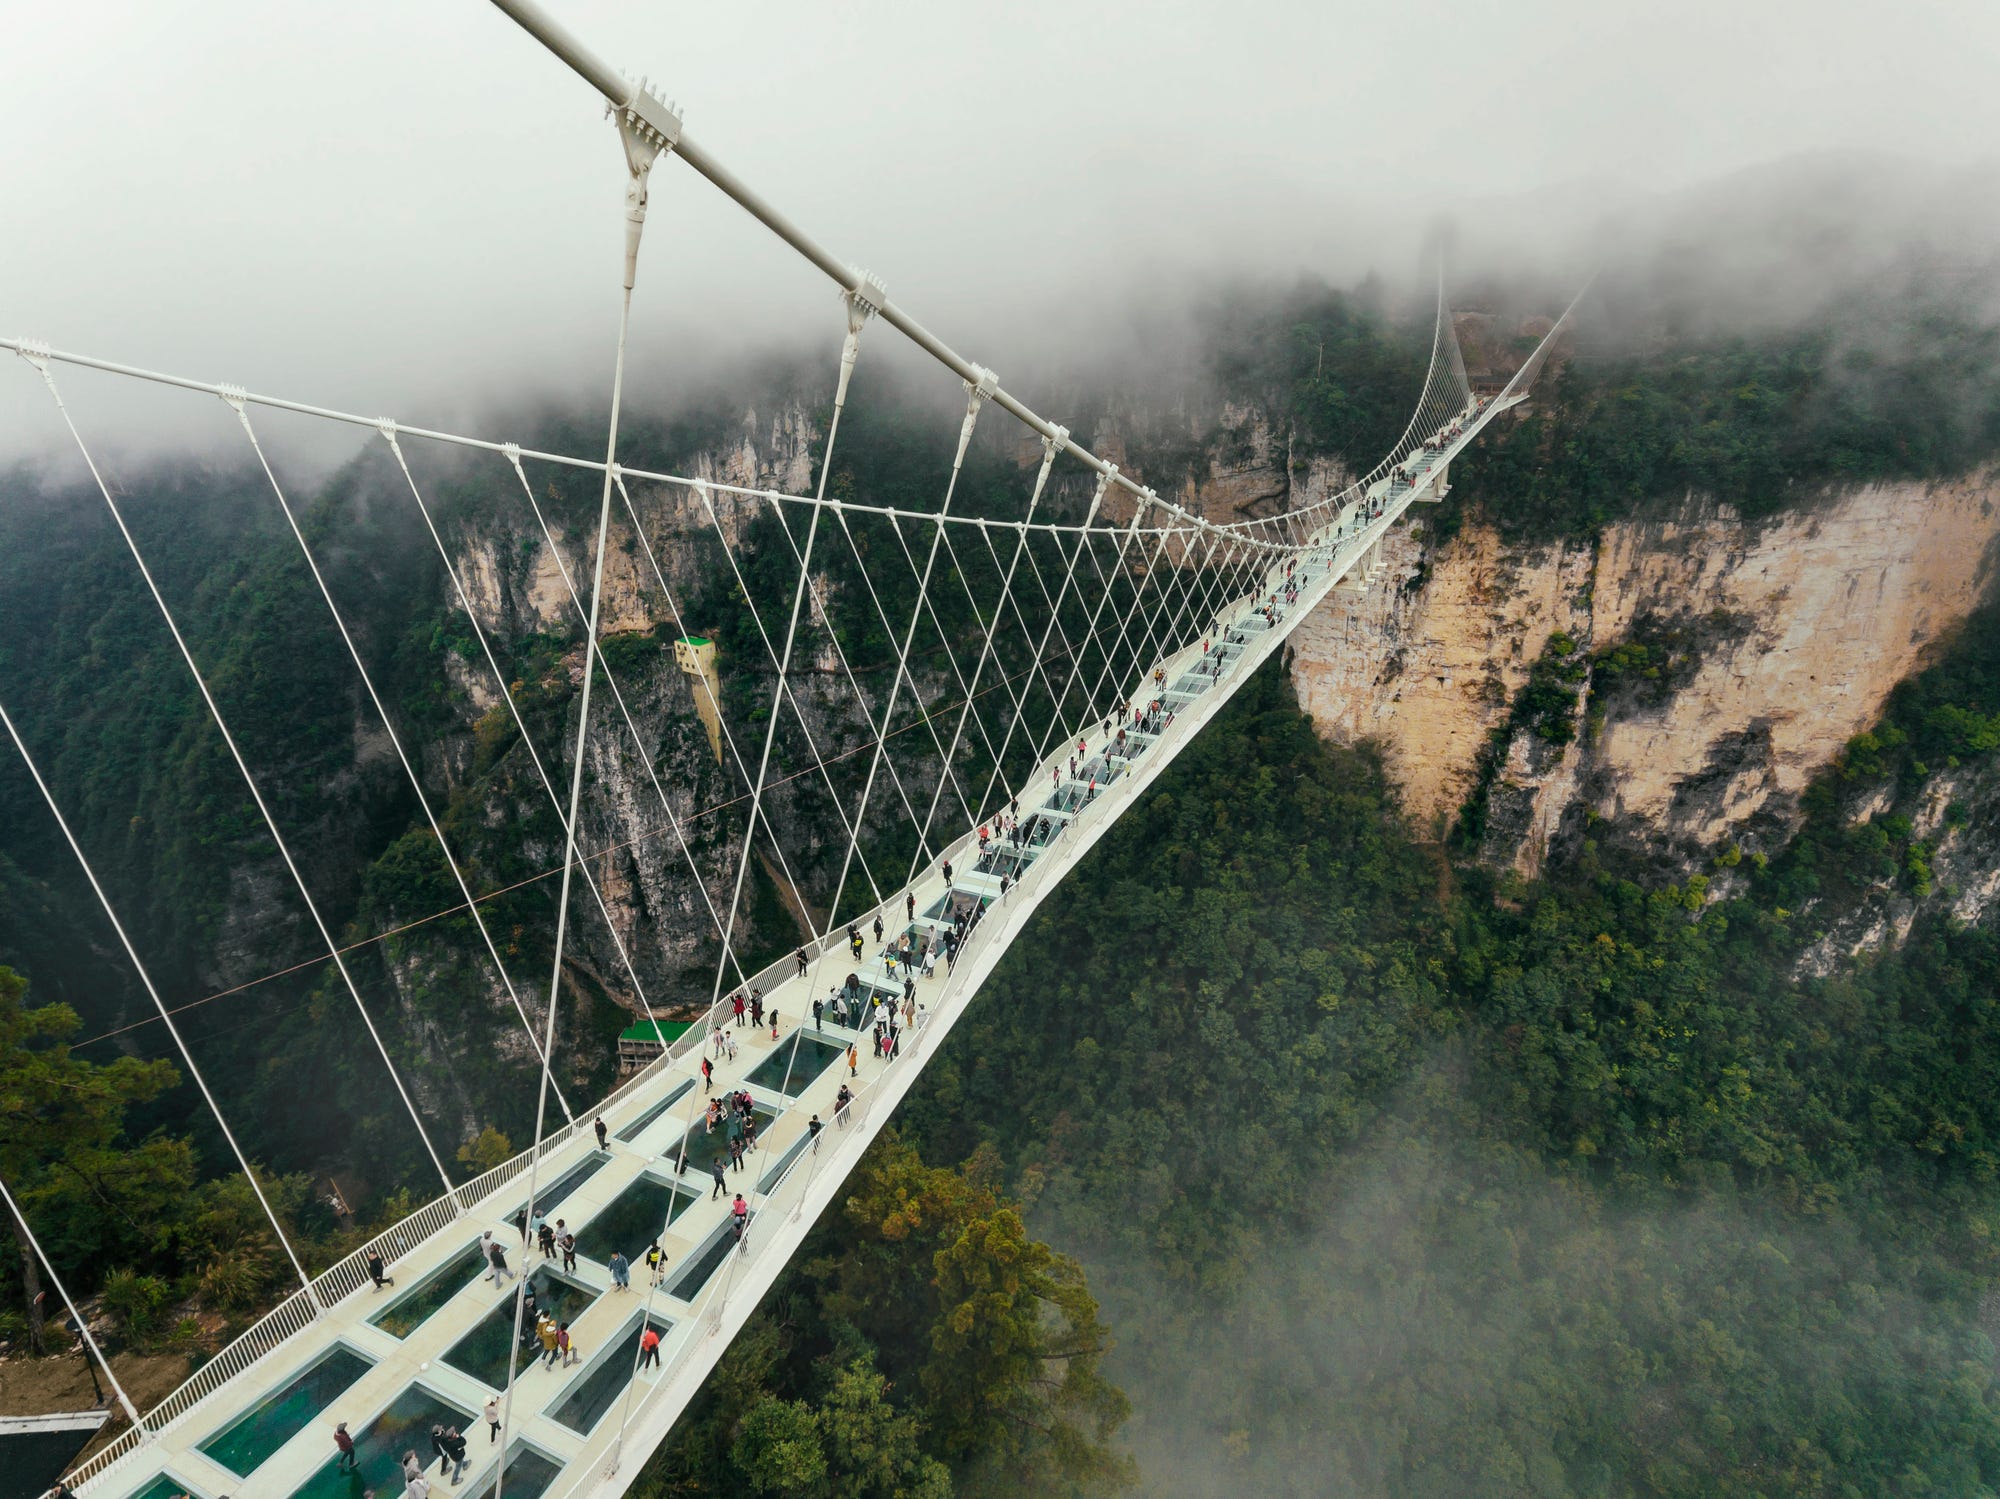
column 641, row 1043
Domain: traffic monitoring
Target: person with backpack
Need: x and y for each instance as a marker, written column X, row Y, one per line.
column 550, row 1351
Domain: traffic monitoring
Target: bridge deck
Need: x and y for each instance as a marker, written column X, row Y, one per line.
column 433, row 1347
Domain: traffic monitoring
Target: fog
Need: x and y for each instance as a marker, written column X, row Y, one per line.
column 410, row 208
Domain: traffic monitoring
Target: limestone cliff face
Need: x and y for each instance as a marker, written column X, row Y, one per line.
column 1795, row 632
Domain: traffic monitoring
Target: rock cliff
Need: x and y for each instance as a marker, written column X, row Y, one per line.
column 1789, row 636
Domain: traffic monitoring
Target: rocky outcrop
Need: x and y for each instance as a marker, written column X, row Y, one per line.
column 1797, row 629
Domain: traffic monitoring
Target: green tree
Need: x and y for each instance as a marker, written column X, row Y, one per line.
column 63, row 1118
column 778, row 1449
column 484, row 1151
column 1017, row 1379
column 876, row 1451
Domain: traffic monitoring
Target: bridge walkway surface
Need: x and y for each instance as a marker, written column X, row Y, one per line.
column 432, row 1348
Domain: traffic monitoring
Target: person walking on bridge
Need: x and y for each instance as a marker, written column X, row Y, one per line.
column 649, row 1349
column 493, row 1419
column 621, row 1271
column 345, row 1444
column 800, row 958
column 720, row 1173
column 603, row 1133
column 377, row 1271
column 818, row 1009
column 736, row 1000
column 707, row 1075
column 497, row 1258
column 853, row 1062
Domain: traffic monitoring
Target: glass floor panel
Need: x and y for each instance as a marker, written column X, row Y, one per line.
column 791, row 1069
column 167, row 1487
column 640, row 1125
column 242, row 1446
column 705, row 1261
column 770, row 1178
column 482, row 1353
column 699, row 1147
column 632, row 1220
column 408, row 1311
column 405, row 1426
column 1004, row 861
column 549, row 1195
column 529, row 1475
column 600, row 1389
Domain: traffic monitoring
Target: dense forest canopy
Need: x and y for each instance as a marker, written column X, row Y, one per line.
column 1288, row 1152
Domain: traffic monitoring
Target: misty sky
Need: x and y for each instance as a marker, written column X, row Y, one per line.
column 408, row 207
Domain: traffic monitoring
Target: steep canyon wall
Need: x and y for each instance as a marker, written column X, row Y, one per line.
column 1795, row 631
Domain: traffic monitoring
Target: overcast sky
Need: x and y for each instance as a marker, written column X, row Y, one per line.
column 408, row 207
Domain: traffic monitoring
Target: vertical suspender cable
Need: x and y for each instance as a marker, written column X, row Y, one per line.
column 642, row 144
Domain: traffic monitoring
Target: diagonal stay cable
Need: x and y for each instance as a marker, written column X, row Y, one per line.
column 146, row 978
column 389, row 433
column 395, row 739
column 631, row 726
column 1050, row 447
column 243, row 769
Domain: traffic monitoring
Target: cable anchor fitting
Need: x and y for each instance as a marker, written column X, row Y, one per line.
column 647, row 125
column 1105, row 477
column 863, row 300
column 978, row 392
